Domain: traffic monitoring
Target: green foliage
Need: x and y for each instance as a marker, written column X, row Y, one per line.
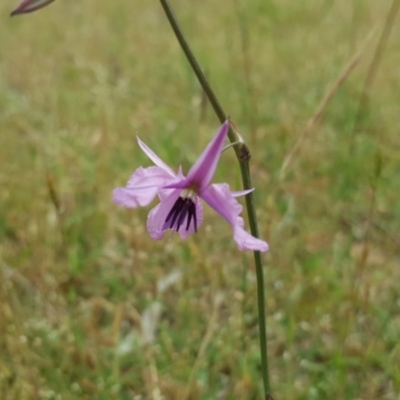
column 92, row 308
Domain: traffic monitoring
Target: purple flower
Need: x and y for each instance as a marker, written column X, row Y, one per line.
column 180, row 208
column 27, row 6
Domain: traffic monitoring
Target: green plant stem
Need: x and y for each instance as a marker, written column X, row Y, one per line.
column 243, row 156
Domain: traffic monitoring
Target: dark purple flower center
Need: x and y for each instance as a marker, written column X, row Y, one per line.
column 183, row 207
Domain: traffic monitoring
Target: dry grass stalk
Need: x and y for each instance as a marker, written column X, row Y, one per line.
column 373, row 68
column 317, row 117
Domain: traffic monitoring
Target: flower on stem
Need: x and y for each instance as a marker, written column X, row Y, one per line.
column 180, row 208
column 27, row 6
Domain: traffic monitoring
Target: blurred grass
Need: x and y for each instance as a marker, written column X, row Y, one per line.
column 82, row 286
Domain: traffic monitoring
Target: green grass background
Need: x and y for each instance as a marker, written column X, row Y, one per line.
column 92, row 308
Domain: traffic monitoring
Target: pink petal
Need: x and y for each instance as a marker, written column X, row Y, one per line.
column 220, row 198
column 150, row 176
column 142, row 187
column 27, row 6
column 203, row 169
column 245, row 241
column 154, row 157
column 158, row 215
column 240, row 193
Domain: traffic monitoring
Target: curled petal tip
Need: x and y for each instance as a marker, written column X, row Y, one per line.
column 246, row 242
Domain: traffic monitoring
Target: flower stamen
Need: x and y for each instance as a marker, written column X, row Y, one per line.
column 183, row 207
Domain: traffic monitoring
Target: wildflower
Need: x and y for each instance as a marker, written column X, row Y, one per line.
column 27, row 6
column 180, row 208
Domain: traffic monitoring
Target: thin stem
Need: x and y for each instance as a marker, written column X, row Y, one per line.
column 192, row 60
column 243, row 155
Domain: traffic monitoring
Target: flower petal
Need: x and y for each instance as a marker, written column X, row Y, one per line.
column 27, row 6
column 245, row 241
column 240, row 193
column 220, row 198
column 154, row 157
column 203, row 169
column 156, row 220
column 142, row 187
